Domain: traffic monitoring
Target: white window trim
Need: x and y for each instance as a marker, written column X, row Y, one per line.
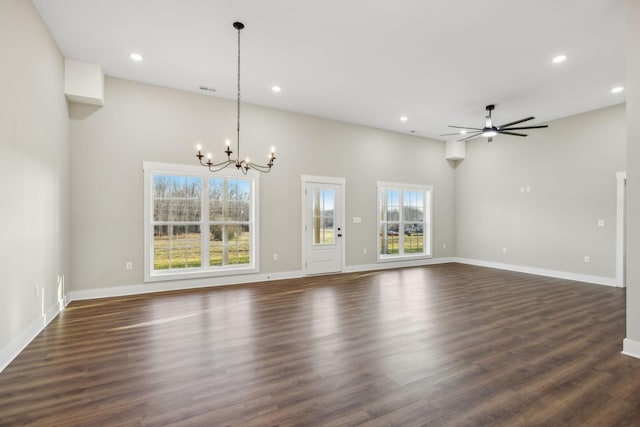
column 150, row 168
column 428, row 245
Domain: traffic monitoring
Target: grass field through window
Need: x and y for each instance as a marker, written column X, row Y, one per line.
column 184, row 252
column 390, row 244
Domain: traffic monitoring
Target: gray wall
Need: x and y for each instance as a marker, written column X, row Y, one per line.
column 34, row 163
column 571, row 169
column 633, row 173
column 141, row 122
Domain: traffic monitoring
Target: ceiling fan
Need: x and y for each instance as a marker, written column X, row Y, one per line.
column 489, row 130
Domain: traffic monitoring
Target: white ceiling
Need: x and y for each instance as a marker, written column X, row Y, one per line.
column 439, row 62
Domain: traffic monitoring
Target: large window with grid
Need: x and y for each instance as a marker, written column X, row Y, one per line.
column 404, row 221
column 198, row 224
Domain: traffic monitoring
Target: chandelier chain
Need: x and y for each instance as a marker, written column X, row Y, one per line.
column 238, row 101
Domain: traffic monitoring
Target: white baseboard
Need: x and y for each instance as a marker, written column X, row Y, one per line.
column 607, row 281
column 631, row 348
column 16, row 345
column 177, row 285
column 396, row 264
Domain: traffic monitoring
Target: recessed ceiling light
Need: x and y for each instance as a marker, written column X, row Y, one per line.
column 404, row 118
column 559, row 58
column 136, row 57
column 276, row 89
column 617, row 89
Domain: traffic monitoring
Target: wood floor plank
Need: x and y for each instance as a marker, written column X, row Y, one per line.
column 443, row 345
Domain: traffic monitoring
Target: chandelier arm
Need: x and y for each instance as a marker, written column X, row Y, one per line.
column 218, row 167
column 260, row 168
column 214, row 167
column 209, row 164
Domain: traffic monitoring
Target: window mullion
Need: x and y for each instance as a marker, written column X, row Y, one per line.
column 401, row 223
column 205, row 257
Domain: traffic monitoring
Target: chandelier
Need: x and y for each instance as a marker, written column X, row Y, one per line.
column 242, row 165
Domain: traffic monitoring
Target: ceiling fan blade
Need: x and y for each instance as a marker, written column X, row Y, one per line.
column 473, row 135
column 511, row 133
column 528, row 127
column 516, row 122
column 449, row 134
column 464, row 127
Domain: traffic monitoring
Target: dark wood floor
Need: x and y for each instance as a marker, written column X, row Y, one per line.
column 441, row 345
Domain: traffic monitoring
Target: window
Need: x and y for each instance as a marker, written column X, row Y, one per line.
column 404, row 221
column 323, row 215
column 198, row 224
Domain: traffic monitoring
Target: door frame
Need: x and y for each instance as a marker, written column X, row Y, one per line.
column 621, row 182
column 306, row 179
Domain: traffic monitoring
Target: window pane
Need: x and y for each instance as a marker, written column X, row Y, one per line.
column 176, row 246
column 229, row 200
column 389, row 239
column 239, row 244
column 193, row 197
column 391, row 205
column 176, row 198
column 413, row 238
column 323, row 217
column 413, row 205
column 229, row 244
column 239, row 192
column 216, row 193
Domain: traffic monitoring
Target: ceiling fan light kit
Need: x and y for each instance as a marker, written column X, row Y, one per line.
column 490, row 130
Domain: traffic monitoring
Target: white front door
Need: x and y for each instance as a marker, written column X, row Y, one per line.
column 323, row 226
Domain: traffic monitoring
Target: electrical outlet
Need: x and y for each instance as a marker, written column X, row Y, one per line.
column 129, row 266
column 364, row 251
column 528, row 189
column 275, row 257
column 504, row 250
column 587, row 259
column 601, row 223
column 444, row 246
